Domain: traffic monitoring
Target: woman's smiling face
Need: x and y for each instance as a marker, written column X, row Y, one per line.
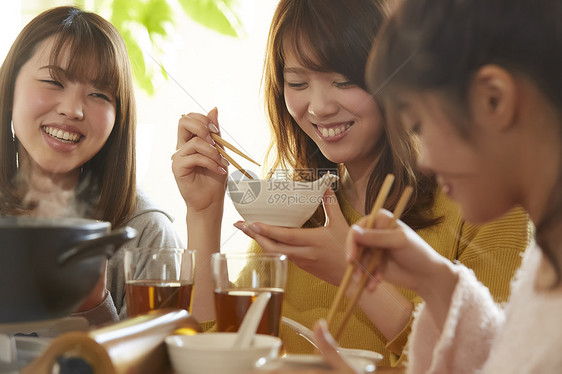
column 60, row 124
column 341, row 118
column 469, row 169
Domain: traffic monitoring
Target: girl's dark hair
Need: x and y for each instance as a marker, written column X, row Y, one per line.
column 98, row 55
column 440, row 44
column 336, row 36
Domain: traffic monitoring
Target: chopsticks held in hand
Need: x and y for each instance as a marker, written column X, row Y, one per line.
column 375, row 259
column 379, row 202
column 226, row 144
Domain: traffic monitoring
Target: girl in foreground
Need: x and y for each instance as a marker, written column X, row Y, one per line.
column 323, row 118
column 480, row 84
column 67, row 138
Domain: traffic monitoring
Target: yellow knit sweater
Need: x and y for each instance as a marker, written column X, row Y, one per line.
column 493, row 251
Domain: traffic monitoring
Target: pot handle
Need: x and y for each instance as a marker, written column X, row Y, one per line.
column 96, row 245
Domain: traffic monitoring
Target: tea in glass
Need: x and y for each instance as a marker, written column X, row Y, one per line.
column 158, row 278
column 239, row 278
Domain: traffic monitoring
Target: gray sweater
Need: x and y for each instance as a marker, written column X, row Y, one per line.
column 154, row 229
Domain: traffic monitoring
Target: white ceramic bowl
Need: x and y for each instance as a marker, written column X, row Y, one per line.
column 308, row 362
column 373, row 357
column 278, row 202
column 209, row 353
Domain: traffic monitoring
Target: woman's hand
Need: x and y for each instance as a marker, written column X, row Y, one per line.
column 198, row 167
column 407, row 260
column 201, row 174
column 319, row 251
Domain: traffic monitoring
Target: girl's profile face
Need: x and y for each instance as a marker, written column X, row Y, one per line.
column 469, row 170
column 60, row 124
column 340, row 117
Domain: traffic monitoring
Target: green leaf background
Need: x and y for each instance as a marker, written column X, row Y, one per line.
column 142, row 23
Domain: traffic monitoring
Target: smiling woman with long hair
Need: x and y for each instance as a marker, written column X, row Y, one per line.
column 67, row 136
column 322, row 118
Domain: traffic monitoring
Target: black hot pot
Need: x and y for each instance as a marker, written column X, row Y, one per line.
column 49, row 266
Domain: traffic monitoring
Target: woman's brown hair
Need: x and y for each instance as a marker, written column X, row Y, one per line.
column 336, row 36
column 98, row 55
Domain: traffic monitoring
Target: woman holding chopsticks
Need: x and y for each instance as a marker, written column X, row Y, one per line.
column 322, row 117
column 488, row 114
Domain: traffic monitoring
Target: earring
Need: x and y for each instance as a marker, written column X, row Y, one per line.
column 15, row 141
column 13, row 132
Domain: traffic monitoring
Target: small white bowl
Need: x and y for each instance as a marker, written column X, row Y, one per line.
column 351, row 353
column 208, row 353
column 309, row 362
column 278, row 202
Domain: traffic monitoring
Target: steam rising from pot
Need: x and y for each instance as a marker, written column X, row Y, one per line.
column 47, row 198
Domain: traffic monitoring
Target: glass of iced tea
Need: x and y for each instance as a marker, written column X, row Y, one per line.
column 158, row 278
column 239, row 278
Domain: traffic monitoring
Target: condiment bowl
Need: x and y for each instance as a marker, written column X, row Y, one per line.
column 215, row 353
column 363, row 354
column 278, row 202
column 309, row 362
column 306, row 333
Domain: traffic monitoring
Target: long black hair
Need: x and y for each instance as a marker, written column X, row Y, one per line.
column 439, row 45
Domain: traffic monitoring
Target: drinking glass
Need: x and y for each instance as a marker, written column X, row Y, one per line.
column 158, row 278
column 239, row 278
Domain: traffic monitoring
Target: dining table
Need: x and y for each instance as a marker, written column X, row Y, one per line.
column 144, row 335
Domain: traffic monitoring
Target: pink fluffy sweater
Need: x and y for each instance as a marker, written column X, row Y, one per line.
column 479, row 336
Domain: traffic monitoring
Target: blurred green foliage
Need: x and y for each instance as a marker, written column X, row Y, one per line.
column 145, row 23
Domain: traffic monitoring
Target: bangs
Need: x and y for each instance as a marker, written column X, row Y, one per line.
column 326, row 39
column 303, row 46
column 82, row 55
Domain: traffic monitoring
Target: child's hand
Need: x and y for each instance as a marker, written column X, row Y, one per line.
column 407, row 260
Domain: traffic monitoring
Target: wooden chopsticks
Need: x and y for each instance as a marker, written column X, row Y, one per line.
column 379, row 202
column 226, row 144
column 374, row 261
